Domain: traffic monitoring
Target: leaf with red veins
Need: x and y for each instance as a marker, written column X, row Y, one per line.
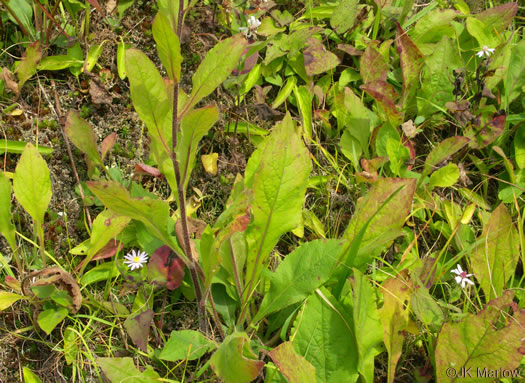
column 386, row 96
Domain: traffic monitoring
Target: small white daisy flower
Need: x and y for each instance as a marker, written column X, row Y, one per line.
column 253, row 24
column 462, row 276
column 485, row 51
column 135, row 260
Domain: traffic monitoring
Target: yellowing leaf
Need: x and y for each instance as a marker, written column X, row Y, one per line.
column 7, row 299
column 209, row 161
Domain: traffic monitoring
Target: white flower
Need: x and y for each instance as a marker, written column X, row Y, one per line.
column 462, row 276
column 485, row 51
column 135, row 260
column 253, row 24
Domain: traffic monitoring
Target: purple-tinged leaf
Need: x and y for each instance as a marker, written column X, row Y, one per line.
column 373, row 66
column 107, row 144
column 493, row 129
column 317, row 59
column 165, row 268
column 495, row 257
column 96, row 5
column 386, row 96
column 147, row 170
column 349, row 49
column 498, row 18
column 234, row 361
column 292, row 365
column 477, row 346
column 412, row 63
column 138, row 327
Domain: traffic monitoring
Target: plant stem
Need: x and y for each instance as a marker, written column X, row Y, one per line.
column 181, row 197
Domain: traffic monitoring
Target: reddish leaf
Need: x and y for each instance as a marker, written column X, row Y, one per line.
column 108, row 251
column 138, row 327
column 107, row 144
column 248, row 64
column 165, row 268
column 240, row 223
column 386, row 96
column 317, row 59
column 292, row 365
column 411, row 64
column 147, row 170
column 13, row 283
column 351, row 50
column 493, row 129
column 498, row 18
column 373, row 66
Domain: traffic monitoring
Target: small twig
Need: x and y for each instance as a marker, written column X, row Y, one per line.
column 58, row 113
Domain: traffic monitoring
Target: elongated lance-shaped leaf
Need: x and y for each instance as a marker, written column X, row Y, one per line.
column 82, row 136
column 7, row 229
column 32, row 184
column 302, row 271
column 495, row 257
column 442, row 151
column 478, row 345
column 151, row 212
column 168, row 46
column 411, row 64
column 215, row 68
column 304, row 103
column 150, row 97
column 366, row 321
column 324, row 335
column 277, row 174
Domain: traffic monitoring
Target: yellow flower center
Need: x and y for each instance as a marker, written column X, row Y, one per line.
column 136, row 260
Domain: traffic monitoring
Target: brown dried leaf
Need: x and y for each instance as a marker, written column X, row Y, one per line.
column 147, row 170
column 9, row 79
column 54, row 276
column 99, row 94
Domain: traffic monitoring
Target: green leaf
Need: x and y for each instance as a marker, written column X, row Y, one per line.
column 234, row 361
column 412, row 63
column 7, row 299
column 150, row 97
column 82, row 136
column 100, row 273
column 218, row 64
column 444, row 177
column 496, row 254
column 292, row 365
column 168, row 46
column 434, row 26
column 7, row 229
column 187, row 345
column 59, row 63
column 344, row 15
column 284, row 92
column 519, row 147
column 304, row 103
column 30, row 376
column 120, row 370
column 24, row 12
column 70, row 345
column 93, row 55
column 386, row 225
column 154, row 214
column 32, row 184
column 27, row 67
column 386, row 96
column 194, row 126
column 317, row 59
column 366, row 321
column 121, row 59
column 437, row 88
column 18, row 147
column 426, row 309
column 324, row 336
column 442, row 151
column 480, row 32
column 515, row 78
column 277, row 173
column 50, row 318
column 106, row 227
column 302, row 271
column 479, row 344
column 395, row 318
